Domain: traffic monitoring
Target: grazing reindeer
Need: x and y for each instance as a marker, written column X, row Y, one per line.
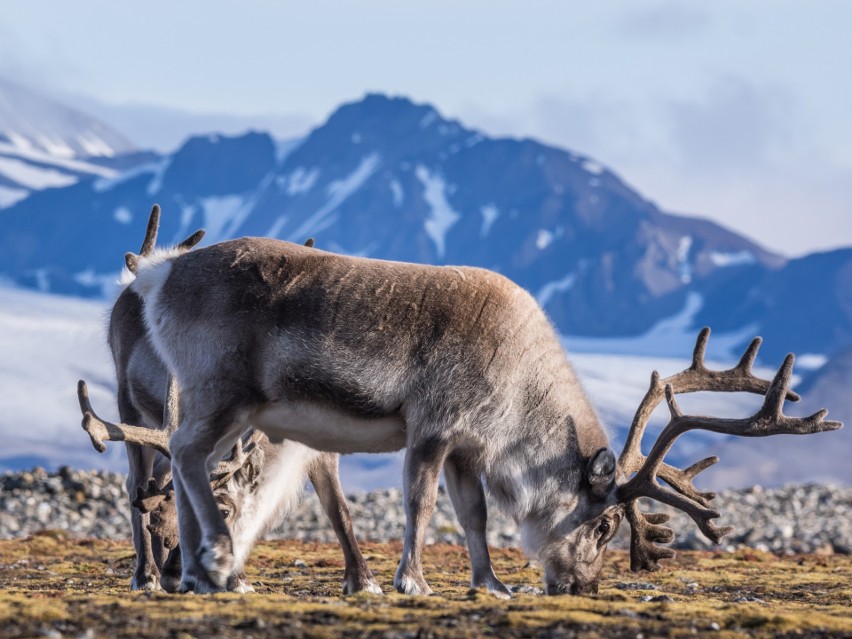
column 458, row 365
column 254, row 489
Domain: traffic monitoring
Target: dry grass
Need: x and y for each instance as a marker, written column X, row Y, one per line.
column 51, row 585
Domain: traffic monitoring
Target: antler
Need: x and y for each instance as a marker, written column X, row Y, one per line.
column 100, row 430
column 245, row 454
column 132, row 259
column 769, row 420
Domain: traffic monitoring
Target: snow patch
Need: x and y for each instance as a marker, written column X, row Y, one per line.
column 34, row 177
column 490, row 213
column 546, row 293
column 94, row 146
column 739, row 258
column 428, row 119
column 55, row 147
column 299, row 181
column 104, row 184
column 590, row 166
column 670, row 337
column 8, row 196
column 277, row 226
column 223, row 216
column 398, row 193
column 443, row 216
column 543, row 239
column 684, row 266
column 473, row 140
column 159, row 171
column 338, row 192
column 122, row 215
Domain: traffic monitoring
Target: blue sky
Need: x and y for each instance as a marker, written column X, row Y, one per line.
column 729, row 110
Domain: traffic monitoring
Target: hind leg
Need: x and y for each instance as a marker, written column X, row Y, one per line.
column 423, row 462
column 324, row 475
column 140, row 464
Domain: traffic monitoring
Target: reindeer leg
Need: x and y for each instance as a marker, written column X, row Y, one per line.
column 468, row 497
column 170, row 574
column 423, row 462
column 196, row 448
column 326, row 481
column 140, row 465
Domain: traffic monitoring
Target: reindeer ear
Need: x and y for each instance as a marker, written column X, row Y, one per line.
column 601, row 472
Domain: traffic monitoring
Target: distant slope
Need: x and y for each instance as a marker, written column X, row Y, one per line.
column 45, row 144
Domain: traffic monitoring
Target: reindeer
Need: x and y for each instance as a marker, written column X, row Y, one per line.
column 457, row 365
column 254, row 489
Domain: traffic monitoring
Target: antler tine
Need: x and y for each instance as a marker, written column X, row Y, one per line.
column 192, row 240
column 131, row 260
column 645, row 533
column 151, row 232
column 768, row 420
column 695, row 378
column 700, row 349
column 240, row 458
column 100, row 430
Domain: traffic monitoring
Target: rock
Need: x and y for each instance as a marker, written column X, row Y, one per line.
column 793, row 519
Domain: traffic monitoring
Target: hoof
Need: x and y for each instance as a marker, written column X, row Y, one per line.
column 366, row 583
column 494, row 587
column 198, row 586
column 170, row 583
column 239, row 584
column 217, row 560
column 409, row 585
column 144, row 582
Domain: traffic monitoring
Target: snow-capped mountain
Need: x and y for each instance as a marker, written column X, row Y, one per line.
column 387, row 178
column 44, row 144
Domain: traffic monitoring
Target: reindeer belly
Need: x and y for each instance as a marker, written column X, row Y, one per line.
column 323, row 427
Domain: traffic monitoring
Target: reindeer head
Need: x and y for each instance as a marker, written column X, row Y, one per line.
column 232, row 482
column 572, row 552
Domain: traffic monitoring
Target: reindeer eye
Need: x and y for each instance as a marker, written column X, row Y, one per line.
column 604, row 527
column 225, row 513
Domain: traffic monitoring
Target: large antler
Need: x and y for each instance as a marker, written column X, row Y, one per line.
column 132, row 259
column 100, row 430
column 245, row 452
column 645, row 528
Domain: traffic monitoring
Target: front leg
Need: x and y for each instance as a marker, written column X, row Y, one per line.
column 195, row 445
column 422, row 468
column 468, row 497
column 324, row 476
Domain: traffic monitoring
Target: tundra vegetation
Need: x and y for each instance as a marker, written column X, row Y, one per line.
column 52, row 585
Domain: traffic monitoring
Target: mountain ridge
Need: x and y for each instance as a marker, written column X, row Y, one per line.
column 389, row 178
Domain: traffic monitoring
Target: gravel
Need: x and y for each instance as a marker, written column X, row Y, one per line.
column 793, row 519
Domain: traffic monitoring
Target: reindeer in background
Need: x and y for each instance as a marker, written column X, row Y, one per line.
column 254, row 489
column 458, row 365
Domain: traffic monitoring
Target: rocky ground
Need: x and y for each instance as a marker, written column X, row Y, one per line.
column 793, row 519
